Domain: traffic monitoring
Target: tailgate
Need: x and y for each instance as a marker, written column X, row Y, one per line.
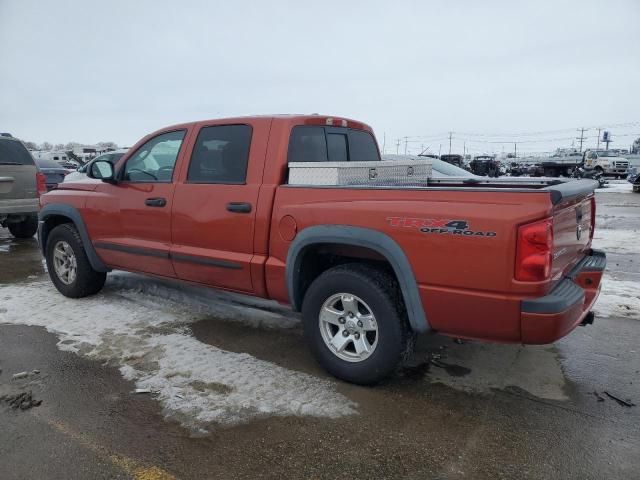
column 17, row 181
column 17, row 171
column 572, row 232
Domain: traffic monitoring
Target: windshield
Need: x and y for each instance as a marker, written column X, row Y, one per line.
column 607, row 153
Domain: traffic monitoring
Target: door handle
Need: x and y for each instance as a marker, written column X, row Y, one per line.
column 239, row 207
column 155, row 202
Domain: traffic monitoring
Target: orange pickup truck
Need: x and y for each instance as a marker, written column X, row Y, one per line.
column 369, row 266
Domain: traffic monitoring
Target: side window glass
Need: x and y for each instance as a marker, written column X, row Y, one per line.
column 220, row 155
column 337, row 147
column 155, row 160
column 362, row 146
column 307, row 144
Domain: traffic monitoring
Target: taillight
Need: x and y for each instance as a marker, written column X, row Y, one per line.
column 534, row 251
column 41, row 183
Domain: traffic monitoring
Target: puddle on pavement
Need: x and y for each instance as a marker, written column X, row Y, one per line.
column 284, row 347
column 469, row 366
column 20, row 259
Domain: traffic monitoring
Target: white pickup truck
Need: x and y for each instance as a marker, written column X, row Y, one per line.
column 607, row 162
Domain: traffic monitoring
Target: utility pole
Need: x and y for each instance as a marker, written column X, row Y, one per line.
column 398, row 147
column 581, row 137
column 450, row 135
column 384, row 142
column 599, row 130
column 464, row 149
column 515, row 149
column 406, row 142
column 439, row 150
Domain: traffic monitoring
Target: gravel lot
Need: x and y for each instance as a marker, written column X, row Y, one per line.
column 233, row 393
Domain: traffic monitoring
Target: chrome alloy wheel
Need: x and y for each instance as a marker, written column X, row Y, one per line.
column 64, row 262
column 348, row 327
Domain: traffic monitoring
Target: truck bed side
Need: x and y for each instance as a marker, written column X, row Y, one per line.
column 465, row 277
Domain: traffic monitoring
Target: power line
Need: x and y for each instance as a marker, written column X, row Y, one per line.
column 581, row 137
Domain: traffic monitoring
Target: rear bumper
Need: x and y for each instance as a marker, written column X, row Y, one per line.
column 546, row 319
column 20, row 205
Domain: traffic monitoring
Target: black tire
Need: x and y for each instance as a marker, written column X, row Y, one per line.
column 87, row 281
column 25, row 229
column 380, row 292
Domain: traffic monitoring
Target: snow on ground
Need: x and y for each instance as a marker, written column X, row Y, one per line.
column 616, row 187
column 618, row 298
column 617, row 241
column 147, row 336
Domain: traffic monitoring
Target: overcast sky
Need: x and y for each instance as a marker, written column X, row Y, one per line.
column 93, row 71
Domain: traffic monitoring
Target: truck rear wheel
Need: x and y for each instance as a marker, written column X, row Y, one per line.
column 355, row 323
column 68, row 265
column 26, row 228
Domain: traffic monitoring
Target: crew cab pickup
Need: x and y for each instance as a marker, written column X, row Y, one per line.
column 369, row 267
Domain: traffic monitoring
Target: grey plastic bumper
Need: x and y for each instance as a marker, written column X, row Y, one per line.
column 567, row 293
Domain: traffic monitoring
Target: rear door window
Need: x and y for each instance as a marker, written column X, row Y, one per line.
column 12, row 152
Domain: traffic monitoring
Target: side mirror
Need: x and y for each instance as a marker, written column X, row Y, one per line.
column 102, row 170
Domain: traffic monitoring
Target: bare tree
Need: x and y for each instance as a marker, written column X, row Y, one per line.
column 30, row 145
column 107, row 145
column 635, row 148
column 45, row 146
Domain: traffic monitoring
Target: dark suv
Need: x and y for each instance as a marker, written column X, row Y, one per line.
column 20, row 185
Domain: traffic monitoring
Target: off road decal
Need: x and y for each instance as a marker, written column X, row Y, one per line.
column 442, row 226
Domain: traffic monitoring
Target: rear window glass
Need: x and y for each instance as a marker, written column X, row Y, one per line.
column 48, row 163
column 307, row 144
column 335, row 144
column 337, row 147
column 14, row 152
column 362, row 146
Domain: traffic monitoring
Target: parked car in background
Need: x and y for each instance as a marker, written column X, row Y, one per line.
column 607, row 162
column 581, row 172
column 518, row 169
column 54, row 173
column 440, row 168
column 81, row 172
column 20, row 185
column 453, row 159
column 368, row 265
column 485, row 165
column 634, row 178
column 562, row 163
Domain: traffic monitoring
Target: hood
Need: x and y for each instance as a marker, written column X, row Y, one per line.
column 79, row 185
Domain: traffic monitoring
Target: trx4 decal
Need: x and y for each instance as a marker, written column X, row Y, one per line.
column 444, row 226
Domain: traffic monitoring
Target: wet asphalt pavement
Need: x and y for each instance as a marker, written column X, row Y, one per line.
column 456, row 411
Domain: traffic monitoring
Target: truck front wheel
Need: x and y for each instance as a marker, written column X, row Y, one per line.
column 68, row 265
column 355, row 323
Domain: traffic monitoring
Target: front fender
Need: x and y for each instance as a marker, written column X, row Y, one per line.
column 67, row 211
